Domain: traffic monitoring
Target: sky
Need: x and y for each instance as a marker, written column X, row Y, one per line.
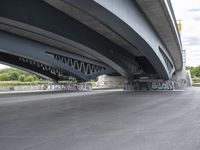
column 2, row 66
column 188, row 11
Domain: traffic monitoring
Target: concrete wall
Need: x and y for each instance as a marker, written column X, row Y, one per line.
column 51, row 87
column 22, row 88
column 106, row 81
column 183, row 76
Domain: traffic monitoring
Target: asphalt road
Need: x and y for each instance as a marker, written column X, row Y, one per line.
column 101, row 120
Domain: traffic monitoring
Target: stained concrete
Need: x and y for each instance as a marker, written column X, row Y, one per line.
column 101, row 120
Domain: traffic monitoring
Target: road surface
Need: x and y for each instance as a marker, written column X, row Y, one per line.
column 101, row 120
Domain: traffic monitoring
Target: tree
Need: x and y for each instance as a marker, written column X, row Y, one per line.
column 21, row 77
column 13, row 76
column 29, row 79
column 4, row 77
column 195, row 71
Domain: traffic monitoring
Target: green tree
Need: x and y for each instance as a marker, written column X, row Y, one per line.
column 13, row 76
column 4, row 77
column 29, row 78
column 21, row 77
column 17, row 75
column 195, row 71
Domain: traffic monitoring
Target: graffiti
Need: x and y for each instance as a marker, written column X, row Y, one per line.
column 149, row 85
column 137, row 85
column 180, row 84
column 168, row 85
column 70, row 86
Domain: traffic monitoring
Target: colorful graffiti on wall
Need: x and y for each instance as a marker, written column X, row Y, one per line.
column 70, row 86
column 142, row 85
column 167, row 85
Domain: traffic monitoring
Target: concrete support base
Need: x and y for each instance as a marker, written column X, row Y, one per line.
column 182, row 78
column 106, row 81
column 73, row 87
column 149, row 85
column 179, row 81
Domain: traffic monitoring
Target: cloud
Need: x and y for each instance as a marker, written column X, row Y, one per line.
column 197, row 18
column 191, row 41
column 189, row 13
column 194, row 10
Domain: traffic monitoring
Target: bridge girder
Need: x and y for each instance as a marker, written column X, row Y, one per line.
column 107, row 40
column 124, row 23
column 47, row 60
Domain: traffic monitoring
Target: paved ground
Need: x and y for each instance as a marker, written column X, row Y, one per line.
column 112, row 120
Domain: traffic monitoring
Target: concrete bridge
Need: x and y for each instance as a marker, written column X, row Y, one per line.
column 84, row 39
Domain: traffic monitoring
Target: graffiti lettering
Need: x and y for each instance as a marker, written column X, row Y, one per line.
column 71, row 87
column 162, row 85
column 149, row 85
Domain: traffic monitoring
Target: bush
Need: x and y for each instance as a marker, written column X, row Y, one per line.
column 196, row 80
column 13, row 76
column 16, row 75
column 195, row 71
column 29, row 79
column 4, row 77
column 21, row 78
column 36, row 78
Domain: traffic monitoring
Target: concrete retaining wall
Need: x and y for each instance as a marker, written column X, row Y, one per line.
column 149, row 85
column 22, row 88
column 70, row 87
column 106, row 81
column 51, row 87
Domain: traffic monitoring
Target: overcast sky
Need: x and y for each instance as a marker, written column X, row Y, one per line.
column 2, row 66
column 188, row 11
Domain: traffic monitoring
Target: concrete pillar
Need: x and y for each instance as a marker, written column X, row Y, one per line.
column 106, row 81
column 182, row 78
column 179, row 81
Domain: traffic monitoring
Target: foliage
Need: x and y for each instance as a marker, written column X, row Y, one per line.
column 29, row 79
column 94, row 83
column 196, row 80
column 195, row 71
column 16, row 77
column 4, row 77
column 19, row 83
column 12, row 74
column 21, row 78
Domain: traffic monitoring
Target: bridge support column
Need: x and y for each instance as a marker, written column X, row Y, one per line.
column 106, row 81
column 182, row 78
column 149, row 85
column 179, row 81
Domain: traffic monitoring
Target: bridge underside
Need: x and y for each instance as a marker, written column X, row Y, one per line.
column 60, row 41
column 48, row 61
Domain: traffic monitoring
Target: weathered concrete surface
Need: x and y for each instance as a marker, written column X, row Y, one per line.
column 106, row 81
column 21, row 88
column 113, row 120
column 161, row 16
column 183, row 76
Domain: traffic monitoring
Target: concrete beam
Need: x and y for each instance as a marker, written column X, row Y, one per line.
column 125, row 20
column 70, row 64
column 161, row 15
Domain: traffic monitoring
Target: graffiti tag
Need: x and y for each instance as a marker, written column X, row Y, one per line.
column 162, row 85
